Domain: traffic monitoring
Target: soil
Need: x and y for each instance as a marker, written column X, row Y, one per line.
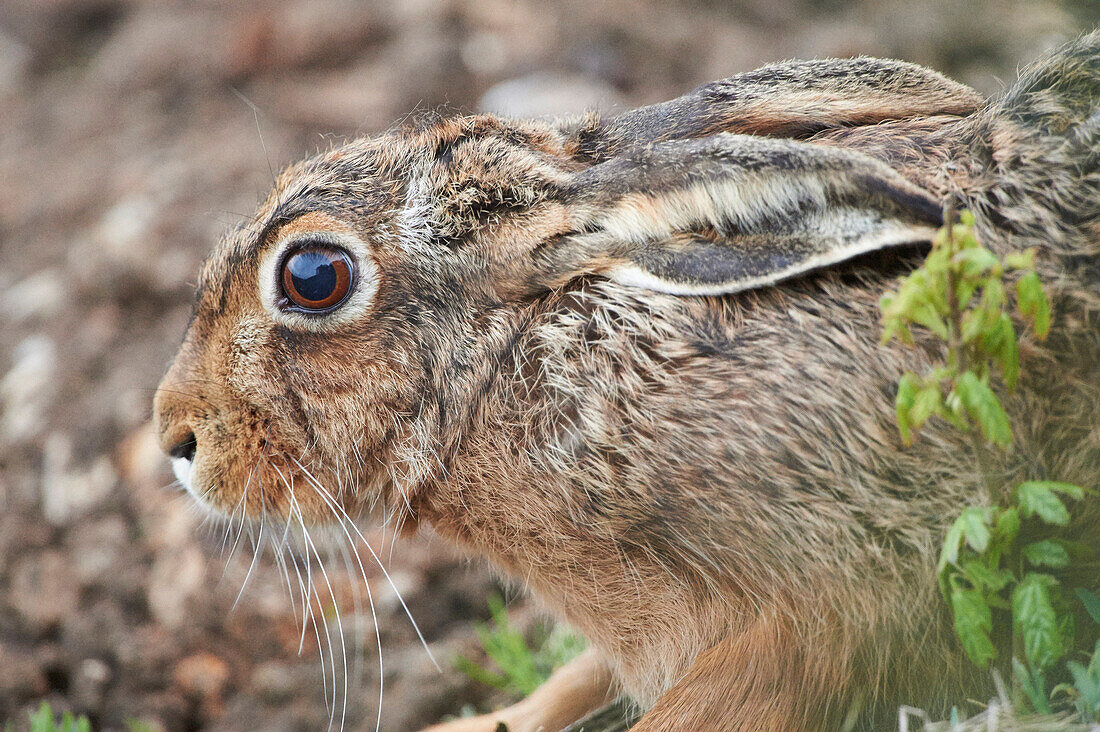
column 134, row 133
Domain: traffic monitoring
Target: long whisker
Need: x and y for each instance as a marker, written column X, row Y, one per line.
column 307, row 611
column 228, row 524
column 339, row 623
column 356, row 598
column 357, row 606
column 302, row 640
column 242, row 523
column 255, row 543
column 342, row 523
column 337, row 508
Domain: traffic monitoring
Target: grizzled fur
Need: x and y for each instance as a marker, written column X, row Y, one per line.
column 553, row 371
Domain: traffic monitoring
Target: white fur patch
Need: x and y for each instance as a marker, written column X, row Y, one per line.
column 182, row 469
column 413, row 222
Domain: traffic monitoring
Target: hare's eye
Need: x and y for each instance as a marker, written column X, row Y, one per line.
column 316, row 279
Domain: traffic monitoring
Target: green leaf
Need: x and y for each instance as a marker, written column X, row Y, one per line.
column 951, row 544
column 981, row 576
column 1067, row 627
column 976, row 261
column 963, row 236
column 1007, row 526
column 1035, row 620
column 927, row 402
column 907, row 394
column 1021, row 260
column 924, row 313
column 1075, row 492
column 1033, row 686
column 1009, row 355
column 975, row 521
column 972, row 325
column 1088, row 689
column 964, row 290
column 522, row 668
column 479, row 674
column 1046, row 553
column 1032, row 302
column 973, row 622
column 1092, row 606
column 999, row 341
column 42, row 720
column 985, row 409
column 993, row 295
column 1036, row 498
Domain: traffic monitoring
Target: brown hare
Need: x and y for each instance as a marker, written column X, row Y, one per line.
column 635, row 363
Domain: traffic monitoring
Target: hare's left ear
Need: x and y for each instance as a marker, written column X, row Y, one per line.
column 728, row 213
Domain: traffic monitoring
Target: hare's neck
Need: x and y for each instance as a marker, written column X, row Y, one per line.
column 523, row 485
column 463, row 399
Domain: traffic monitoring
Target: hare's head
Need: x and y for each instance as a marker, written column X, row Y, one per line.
column 321, row 330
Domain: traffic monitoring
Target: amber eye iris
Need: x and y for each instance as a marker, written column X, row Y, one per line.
column 316, row 278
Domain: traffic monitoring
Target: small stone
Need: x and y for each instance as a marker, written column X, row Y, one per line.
column 202, row 675
column 15, row 62
column 97, row 547
column 177, row 575
column 43, row 589
column 25, row 391
column 273, row 681
column 540, row 95
column 68, row 493
column 20, row 674
column 41, row 295
column 484, row 53
column 89, row 683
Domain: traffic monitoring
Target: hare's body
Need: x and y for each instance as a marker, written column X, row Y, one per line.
column 709, row 486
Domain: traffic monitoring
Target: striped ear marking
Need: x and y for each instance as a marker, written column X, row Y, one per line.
column 733, row 212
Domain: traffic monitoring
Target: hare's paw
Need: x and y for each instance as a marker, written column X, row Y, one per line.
column 483, row 723
column 572, row 691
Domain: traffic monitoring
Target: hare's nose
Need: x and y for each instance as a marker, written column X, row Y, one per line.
column 185, row 448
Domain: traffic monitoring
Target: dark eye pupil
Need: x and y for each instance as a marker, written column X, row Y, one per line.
column 317, row 278
column 313, row 275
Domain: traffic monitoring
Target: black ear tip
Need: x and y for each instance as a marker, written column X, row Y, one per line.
column 919, row 203
column 931, row 210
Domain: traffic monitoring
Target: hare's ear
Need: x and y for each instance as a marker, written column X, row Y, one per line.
column 730, row 213
column 792, row 99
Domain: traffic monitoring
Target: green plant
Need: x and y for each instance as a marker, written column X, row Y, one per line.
column 133, row 724
column 43, row 720
column 522, row 667
column 989, row 576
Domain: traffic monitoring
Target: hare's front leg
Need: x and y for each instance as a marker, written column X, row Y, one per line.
column 762, row 680
column 572, row 691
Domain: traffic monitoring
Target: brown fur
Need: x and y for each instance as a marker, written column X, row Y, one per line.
column 711, row 489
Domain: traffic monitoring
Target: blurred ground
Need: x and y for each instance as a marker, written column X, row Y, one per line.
column 133, row 134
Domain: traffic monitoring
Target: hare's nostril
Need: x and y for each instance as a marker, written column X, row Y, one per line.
column 186, row 448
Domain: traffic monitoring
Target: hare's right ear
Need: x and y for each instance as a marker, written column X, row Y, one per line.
column 792, row 99
column 727, row 213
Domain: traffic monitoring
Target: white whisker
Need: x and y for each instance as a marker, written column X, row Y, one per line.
column 337, row 510
column 310, row 545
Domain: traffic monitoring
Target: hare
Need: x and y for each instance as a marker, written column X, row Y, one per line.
column 635, row 363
